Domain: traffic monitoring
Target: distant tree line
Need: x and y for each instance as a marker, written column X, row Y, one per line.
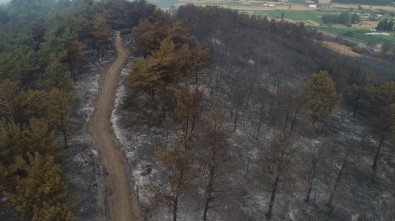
column 345, row 18
column 385, row 25
column 365, row 2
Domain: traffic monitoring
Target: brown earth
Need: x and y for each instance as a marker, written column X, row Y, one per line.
column 366, row 24
column 122, row 203
column 313, row 23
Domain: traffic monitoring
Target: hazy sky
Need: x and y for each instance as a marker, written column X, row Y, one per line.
column 4, row 1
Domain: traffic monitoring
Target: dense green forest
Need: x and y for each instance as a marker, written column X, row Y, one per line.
column 365, row 2
column 205, row 74
column 41, row 48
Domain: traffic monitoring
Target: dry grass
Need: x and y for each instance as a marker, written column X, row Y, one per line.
column 341, row 49
column 366, row 24
column 325, row 1
column 313, row 23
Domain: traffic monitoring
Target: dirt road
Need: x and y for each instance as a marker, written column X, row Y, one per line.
column 122, row 202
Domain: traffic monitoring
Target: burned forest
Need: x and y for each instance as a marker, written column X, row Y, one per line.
column 118, row 110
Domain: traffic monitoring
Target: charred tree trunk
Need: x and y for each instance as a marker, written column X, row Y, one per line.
column 311, row 182
column 193, row 123
column 276, row 182
column 102, row 55
column 330, row 212
column 261, row 116
column 210, row 185
column 94, row 43
column 64, row 132
column 175, row 205
column 339, row 176
column 313, row 171
column 271, row 104
column 235, row 121
column 248, row 165
column 72, row 72
column 356, row 106
column 209, row 190
column 233, row 107
column 376, row 157
column 186, row 126
column 196, row 78
column 248, row 101
column 272, row 198
column 177, row 194
column 293, row 122
column 315, row 118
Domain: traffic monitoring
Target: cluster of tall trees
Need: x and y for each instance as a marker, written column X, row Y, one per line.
column 385, row 25
column 35, row 106
column 162, row 78
column 365, row 2
column 344, row 18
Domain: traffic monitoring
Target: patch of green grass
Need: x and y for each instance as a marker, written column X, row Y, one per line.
column 300, row 2
column 165, row 4
column 232, row 3
column 299, row 16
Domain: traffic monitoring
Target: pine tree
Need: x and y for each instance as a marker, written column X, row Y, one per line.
column 383, row 100
column 388, row 134
column 57, row 108
column 74, row 52
column 58, row 75
column 213, row 146
column 362, row 89
column 10, row 99
column 177, row 161
column 41, row 195
column 155, row 72
column 321, row 96
column 16, row 139
column 167, row 65
column 188, row 107
column 3, row 178
column 149, row 34
column 101, row 32
column 178, row 33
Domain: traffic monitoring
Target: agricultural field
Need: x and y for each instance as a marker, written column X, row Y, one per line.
column 299, row 11
column 297, row 16
column 358, row 34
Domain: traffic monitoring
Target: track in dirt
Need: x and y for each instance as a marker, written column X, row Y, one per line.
column 122, row 202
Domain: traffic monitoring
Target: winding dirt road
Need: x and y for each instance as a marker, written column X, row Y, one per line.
column 122, row 203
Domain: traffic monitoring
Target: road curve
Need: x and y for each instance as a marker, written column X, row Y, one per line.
column 122, row 202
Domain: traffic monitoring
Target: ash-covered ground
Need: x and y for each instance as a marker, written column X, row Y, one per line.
column 358, row 192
